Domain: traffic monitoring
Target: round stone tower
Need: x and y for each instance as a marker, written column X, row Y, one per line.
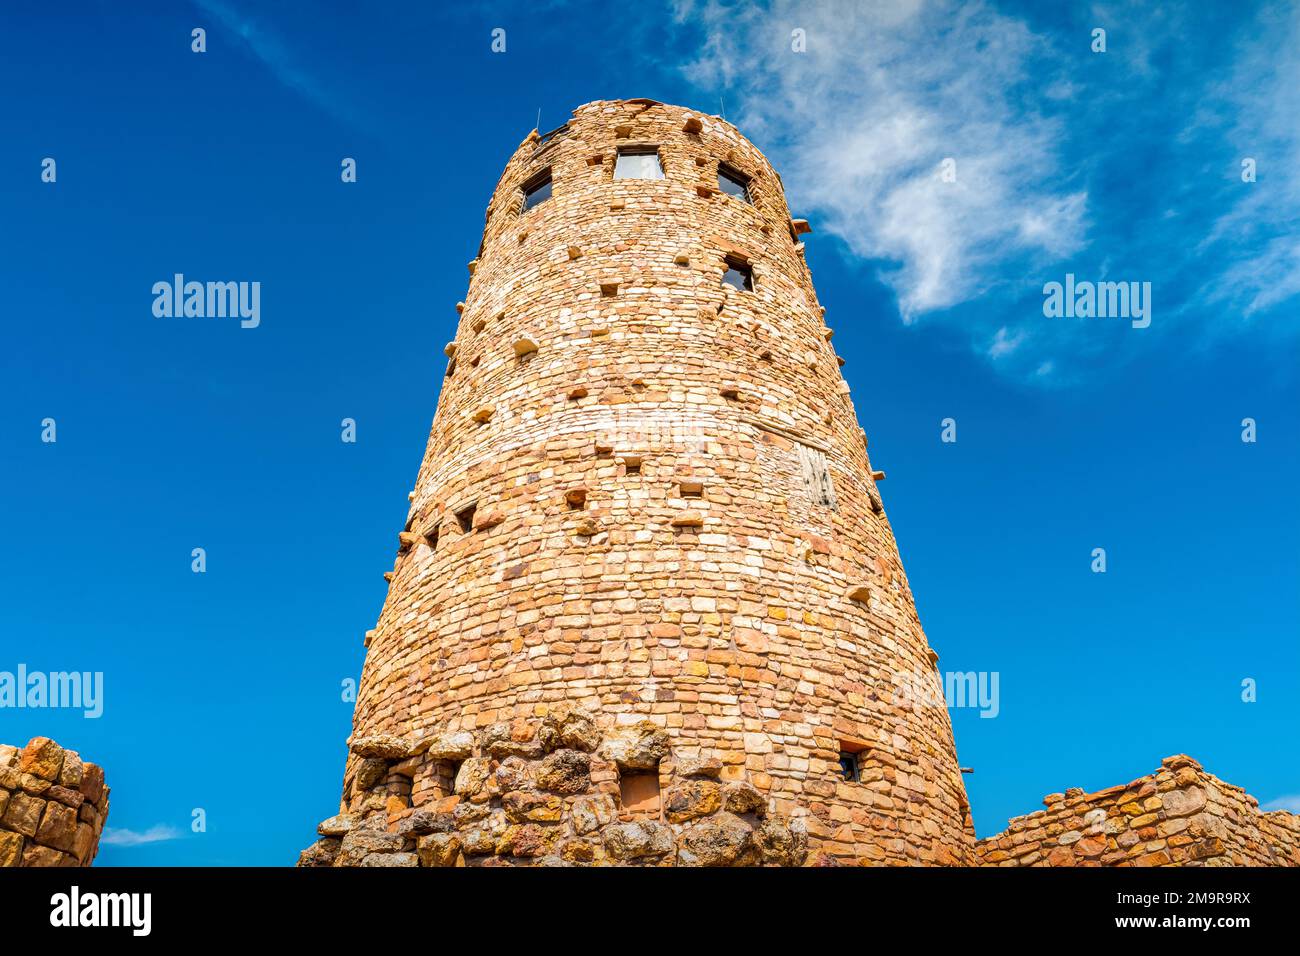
column 646, row 607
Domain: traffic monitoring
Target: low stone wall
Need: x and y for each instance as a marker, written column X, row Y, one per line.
column 557, row 791
column 52, row 806
column 1177, row 816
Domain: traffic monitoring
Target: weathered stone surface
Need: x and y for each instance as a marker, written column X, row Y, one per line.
column 390, row 859
column 1183, row 803
column 472, row 778
column 565, row 771
column 321, row 853
column 705, row 766
column 638, row 840
column 779, row 844
column 358, row 844
column 721, row 840
column 381, row 746
column 337, row 825
column 514, row 773
column 741, row 797
column 58, row 827
column 505, row 740
column 449, row 746
column 42, row 757
column 11, row 848
column 92, row 782
column 639, row 747
column 71, row 771
column 439, row 849
column 691, row 799
column 369, row 773
column 523, row 806
column 570, row 727
column 589, row 814
column 426, row 821
column 23, row 815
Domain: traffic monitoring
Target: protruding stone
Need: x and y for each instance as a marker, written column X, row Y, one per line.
column 720, row 840
column 483, row 414
column 638, row 747
column 741, row 798
column 337, row 826
column 42, row 757
column 693, row 125
column 449, row 746
column 566, row 772
column 568, row 726
column 439, row 849
column 525, row 346
column 688, row 519
column 638, row 840
column 702, row 766
column 380, row 746
column 692, row 799
column 321, row 853
column 859, row 592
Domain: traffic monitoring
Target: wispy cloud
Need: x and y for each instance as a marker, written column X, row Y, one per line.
column 116, row 836
column 266, row 44
column 1290, row 803
column 1064, row 160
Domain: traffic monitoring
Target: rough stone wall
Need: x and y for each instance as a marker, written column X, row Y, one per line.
column 52, row 806
column 1178, row 816
column 551, row 793
column 636, row 441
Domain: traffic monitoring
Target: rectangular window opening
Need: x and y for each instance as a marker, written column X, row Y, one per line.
column 465, row 517
column 537, row 190
column 431, row 538
column 638, row 793
column 738, row 275
column 638, row 163
column 734, row 183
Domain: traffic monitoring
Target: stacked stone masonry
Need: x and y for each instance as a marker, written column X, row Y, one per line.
column 614, row 508
column 646, row 498
column 52, row 806
column 552, row 792
column 1178, row 816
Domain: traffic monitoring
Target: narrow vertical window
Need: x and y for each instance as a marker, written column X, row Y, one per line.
column 537, row 190
column 638, row 163
column 734, row 183
column 465, row 518
column 849, row 769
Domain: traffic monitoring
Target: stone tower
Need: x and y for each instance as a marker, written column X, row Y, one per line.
column 646, row 607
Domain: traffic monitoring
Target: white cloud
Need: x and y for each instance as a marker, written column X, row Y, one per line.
column 1290, row 803
column 1066, row 160
column 117, row 836
column 864, row 119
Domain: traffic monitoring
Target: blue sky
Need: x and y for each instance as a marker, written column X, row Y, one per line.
column 223, row 689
